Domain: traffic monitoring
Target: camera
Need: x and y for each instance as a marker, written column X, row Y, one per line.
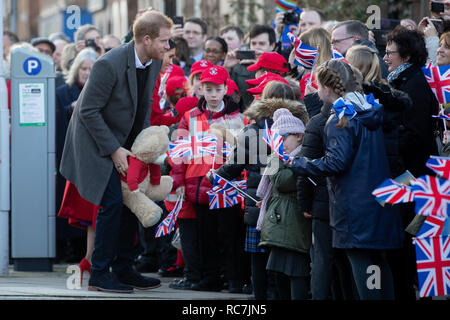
column 438, row 24
column 291, row 17
column 244, row 55
column 386, row 26
column 437, row 7
column 91, row 43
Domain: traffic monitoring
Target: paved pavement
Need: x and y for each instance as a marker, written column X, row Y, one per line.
column 53, row 285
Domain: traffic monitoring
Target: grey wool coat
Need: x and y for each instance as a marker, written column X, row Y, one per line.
column 102, row 120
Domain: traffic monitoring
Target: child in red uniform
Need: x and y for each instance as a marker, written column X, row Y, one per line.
column 202, row 237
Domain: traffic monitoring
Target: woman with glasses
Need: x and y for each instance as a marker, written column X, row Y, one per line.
column 215, row 50
column 406, row 54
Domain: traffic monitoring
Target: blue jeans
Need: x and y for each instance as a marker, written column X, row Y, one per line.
column 115, row 231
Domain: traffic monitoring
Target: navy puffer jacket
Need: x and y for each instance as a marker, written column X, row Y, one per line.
column 355, row 163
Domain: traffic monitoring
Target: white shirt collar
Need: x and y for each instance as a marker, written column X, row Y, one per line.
column 139, row 64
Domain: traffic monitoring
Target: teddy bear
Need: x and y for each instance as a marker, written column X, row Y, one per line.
column 143, row 183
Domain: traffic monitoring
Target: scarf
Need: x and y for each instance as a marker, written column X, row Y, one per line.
column 396, row 72
column 264, row 190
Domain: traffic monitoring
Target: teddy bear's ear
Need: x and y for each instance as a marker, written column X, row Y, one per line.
column 165, row 128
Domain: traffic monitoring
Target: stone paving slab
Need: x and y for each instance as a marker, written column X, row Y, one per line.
column 52, row 285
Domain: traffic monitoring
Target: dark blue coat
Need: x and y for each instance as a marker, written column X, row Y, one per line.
column 65, row 95
column 355, row 162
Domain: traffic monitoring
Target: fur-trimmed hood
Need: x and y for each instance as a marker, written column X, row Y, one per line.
column 260, row 110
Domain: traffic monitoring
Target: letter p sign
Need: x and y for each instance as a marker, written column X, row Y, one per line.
column 32, row 66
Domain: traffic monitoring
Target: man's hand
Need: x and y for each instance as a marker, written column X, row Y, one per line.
column 177, row 30
column 427, row 28
column 279, row 25
column 231, row 60
column 80, row 45
column 307, row 215
column 119, row 158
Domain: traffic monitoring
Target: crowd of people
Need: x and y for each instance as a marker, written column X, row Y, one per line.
column 309, row 227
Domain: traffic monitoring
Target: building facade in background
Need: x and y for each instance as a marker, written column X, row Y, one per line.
column 31, row 18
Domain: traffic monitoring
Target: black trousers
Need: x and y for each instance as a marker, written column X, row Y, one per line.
column 213, row 243
column 221, row 242
column 115, row 231
column 189, row 237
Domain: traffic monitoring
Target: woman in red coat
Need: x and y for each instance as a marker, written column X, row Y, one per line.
column 79, row 212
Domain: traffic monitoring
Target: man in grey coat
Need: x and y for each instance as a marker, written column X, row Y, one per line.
column 112, row 109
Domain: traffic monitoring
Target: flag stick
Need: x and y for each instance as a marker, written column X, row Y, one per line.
column 236, row 187
column 442, row 110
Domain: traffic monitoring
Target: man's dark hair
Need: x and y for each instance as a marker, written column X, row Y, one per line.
column 260, row 29
column 236, row 29
column 410, row 43
column 200, row 22
column 320, row 13
column 11, row 35
column 354, row 28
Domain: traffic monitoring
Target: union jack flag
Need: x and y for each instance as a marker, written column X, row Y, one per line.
column 227, row 149
column 193, row 146
column 180, row 148
column 432, row 196
column 168, row 224
column 439, row 80
column 432, row 227
column 393, row 192
column 223, row 184
column 305, row 55
column 219, row 200
column 442, row 116
column 440, row 165
column 433, row 265
column 336, row 54
column 274, row 141
column 224, row 194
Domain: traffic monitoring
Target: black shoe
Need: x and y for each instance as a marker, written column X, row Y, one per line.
column 182, row 284
column 235, row 286
column 206, row 285
column 247, row 289
column 146, row 267
column 107, row 282
column 133, row 278
column 173, row 271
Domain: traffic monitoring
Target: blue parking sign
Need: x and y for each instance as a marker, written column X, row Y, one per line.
column 32, row 66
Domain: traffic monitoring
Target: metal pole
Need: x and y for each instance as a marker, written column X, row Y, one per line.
column 4, row 165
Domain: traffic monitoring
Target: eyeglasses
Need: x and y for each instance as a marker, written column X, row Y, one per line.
column 336, row 41
column 388, row 53
column 213, row 51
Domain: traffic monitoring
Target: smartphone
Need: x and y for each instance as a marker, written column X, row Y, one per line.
column 437, row 7
column 244, row 55
column 438, row 24
column 178, row 20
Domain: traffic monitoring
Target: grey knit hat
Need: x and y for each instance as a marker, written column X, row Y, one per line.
column 285, row 123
